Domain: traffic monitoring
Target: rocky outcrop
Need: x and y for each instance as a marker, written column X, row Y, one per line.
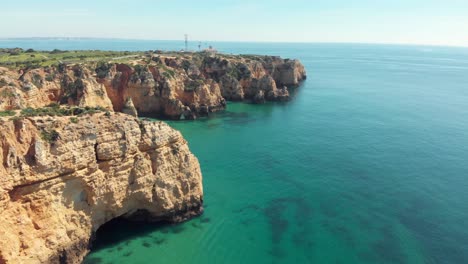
column 63, row 177
column 74, row 85
column 172, row 85
column 129, row 108
column 255, row 77
column 160, row 90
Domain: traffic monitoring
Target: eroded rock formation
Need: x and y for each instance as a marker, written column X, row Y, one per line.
column 63, row 177
column 174, row 86
column 73, row 85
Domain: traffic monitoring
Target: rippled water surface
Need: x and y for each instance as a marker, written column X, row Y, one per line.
column 367, row 164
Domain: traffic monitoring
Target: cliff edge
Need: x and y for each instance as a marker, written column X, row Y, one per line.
column 63, row 177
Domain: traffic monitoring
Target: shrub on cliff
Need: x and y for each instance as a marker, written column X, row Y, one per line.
column 62, row 67
column 7, row 113
column 71, row 88
column 50, row 135
column 139, row 73
column 193, row 85
column 50, row 77
column 102, row 69
column 186, row 64
column 78, row 71
column 46, row 111
column 55, row 110
column 37, row 80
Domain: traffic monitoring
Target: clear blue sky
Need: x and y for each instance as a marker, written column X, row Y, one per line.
column 439, row 22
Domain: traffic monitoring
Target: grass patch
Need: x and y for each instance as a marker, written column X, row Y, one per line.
column 167, row 72
column 19, row 58
column 60, row 111
column 7, row 113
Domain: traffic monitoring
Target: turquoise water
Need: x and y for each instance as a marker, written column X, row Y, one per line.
column 367, row 164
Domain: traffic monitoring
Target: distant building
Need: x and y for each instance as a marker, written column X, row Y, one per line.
column 211, row 50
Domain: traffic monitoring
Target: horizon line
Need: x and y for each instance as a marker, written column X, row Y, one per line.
column 248, row 41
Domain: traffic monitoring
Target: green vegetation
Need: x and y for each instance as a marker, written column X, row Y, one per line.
column 3, row 82
column 50, row 135
column 193, row 85
column 78, row 71
column 71, row 88
column 186, row 64
column 37, row 80
column 167, row 73
column 139, row 73
column 238, row 71
column 55, row 110
column 19, row 58
column 102, row 69
column 7, row 113
column 50, row 77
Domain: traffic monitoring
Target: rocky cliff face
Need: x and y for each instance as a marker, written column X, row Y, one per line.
column 62, row 178
column 174, row 86
column 73, row 85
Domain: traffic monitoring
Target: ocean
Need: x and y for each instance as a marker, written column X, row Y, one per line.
column 368, row 163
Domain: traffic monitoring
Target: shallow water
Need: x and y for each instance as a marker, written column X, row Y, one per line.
column 367, row 164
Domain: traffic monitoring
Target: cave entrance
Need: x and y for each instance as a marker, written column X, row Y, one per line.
column 123, row 229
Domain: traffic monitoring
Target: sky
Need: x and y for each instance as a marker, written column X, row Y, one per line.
column 430, row 22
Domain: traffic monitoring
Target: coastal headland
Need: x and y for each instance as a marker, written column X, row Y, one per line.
column 171, row 85
column 74, row 154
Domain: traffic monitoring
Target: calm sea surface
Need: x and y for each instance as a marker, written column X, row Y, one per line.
column 367, row 164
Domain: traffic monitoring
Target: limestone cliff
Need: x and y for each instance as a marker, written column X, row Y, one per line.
column 73, row 85
column 63, row 177
column 170, row 85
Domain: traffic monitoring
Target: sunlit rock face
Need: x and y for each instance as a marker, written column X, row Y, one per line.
column 172, row 86
column 61, row 179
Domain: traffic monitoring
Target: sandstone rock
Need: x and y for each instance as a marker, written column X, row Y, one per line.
column 289, row 73
column 231, row 88
column 172, row 86
column 41, row 87
column 55, row 193
column 129, row 108
column 259, row 97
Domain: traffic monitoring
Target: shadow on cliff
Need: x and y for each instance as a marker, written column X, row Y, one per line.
column 122, row 231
